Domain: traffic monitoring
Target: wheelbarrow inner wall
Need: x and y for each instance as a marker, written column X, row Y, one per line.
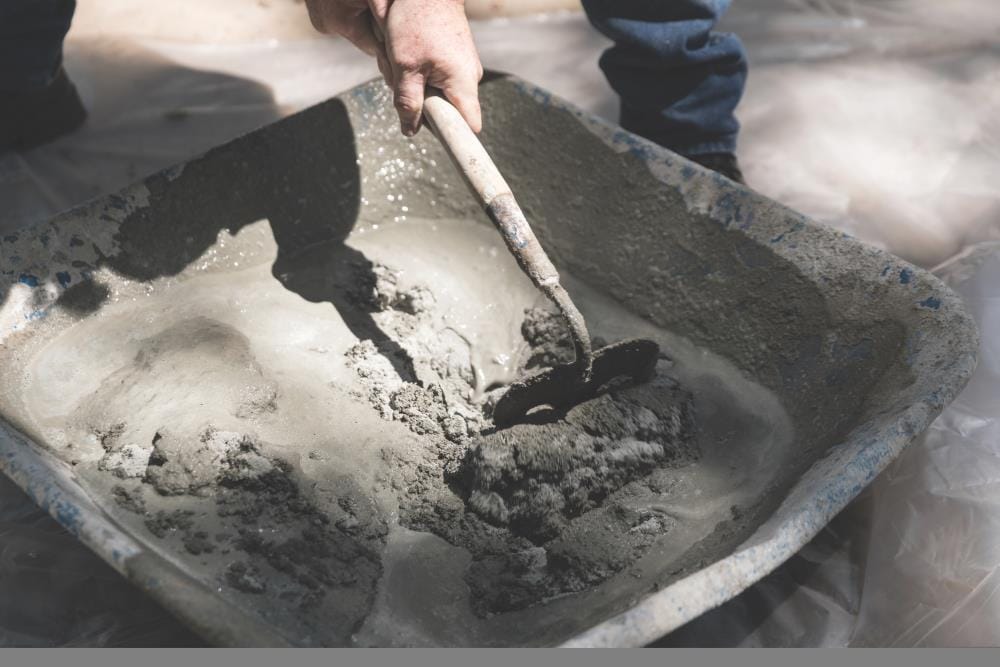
column 861, row 349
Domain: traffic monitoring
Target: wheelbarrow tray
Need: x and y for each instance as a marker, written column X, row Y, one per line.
column 862, row 349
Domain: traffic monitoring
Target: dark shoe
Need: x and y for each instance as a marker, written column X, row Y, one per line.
column 32, row 119
column 723, row 163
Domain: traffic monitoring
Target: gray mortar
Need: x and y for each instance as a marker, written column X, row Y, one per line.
column 279, row 472
column 525, row 501
column 547, row 335
column 313, row 554
column 536, row 476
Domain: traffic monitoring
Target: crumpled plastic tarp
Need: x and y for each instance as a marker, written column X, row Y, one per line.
column 879, row 117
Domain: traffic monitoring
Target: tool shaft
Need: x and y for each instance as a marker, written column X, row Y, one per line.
column 490, row 187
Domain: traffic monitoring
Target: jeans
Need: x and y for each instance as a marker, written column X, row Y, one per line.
column 679, row 82
column 31, row 37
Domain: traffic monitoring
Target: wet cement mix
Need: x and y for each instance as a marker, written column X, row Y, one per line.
column 298, row 493
column 535, row 504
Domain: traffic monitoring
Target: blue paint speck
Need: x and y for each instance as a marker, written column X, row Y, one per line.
column 931, row 302
column 28, row 279
column 886, row 270
column 64, row 278
column 68, row 515
column 905, row 276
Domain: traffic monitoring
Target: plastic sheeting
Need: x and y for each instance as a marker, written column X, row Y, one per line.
column 880, row 117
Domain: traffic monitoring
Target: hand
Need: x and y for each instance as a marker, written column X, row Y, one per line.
column 418, row 43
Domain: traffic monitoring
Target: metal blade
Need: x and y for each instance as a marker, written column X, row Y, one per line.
column 619, row 364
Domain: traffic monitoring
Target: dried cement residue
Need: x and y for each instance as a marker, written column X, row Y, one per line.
column 310, row 437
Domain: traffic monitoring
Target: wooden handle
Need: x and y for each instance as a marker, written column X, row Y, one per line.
column 490, row 187
column 495, row 195
column 465, row 149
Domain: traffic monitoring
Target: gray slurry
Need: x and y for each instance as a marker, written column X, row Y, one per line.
column 314, row 442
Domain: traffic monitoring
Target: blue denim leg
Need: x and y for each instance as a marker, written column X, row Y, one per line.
column 31, row 37
column 679, row 82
